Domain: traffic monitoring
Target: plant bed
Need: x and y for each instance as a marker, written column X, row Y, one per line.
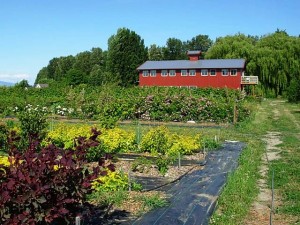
column 135, row 203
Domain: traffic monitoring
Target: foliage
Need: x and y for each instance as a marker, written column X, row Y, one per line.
column 293, row 91
column 117, row 140
column 141, row 164
column 156, row 141
column 22, row 84
column 183, row 144
column 3, row 137
column 55, row 181
column 209, row 143
column 4, row 161
column 152, row 202
column 33, row 123
column 163, row 163
column 110, row 141
column 174, row 50
column 111, row 189
column 115, row 180
column 274, row 58
column 65, row 138
column 126, row 51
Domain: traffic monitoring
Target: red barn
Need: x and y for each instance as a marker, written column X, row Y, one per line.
column 195, row 72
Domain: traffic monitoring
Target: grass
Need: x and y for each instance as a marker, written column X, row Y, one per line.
column 287, row 169
column 241, row 188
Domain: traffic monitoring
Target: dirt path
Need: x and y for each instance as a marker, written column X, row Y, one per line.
column 260, row 211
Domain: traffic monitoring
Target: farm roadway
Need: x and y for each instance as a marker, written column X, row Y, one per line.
column 193, row 198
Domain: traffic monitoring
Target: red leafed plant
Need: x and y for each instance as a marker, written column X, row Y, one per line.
column 46, row 186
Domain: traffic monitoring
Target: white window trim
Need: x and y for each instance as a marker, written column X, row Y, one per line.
column 214, row 74
column 170, row 73
column 145, row 73
column 233, row 74
column 204, row 75
column 192, row 75
column 186, row 73
column 225, row 75
column 152, row 73
column 166, row 73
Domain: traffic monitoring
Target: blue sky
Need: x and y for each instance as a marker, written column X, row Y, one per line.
column 32, row 32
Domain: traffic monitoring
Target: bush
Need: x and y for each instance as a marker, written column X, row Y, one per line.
column 33, row 123
column 185, row 145
column 293, row 91
column 64, row 137
column 117, row 140
column 46, row 186
column 3, row 137
column 156, row 141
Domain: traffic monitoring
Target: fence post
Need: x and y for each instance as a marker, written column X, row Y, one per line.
column 77, row 220
column 179, row 160
column 272, row 202
column 234, row 113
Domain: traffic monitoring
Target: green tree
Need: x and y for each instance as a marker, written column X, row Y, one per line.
column 199, row 42
column 232, row 47
column 76, row 77
column 42, row 74
column 276, row 61
column 64, row 64
column 174, row 50
column 83, row 62
column 155, row 53
column 126, row 51
column 22, row 84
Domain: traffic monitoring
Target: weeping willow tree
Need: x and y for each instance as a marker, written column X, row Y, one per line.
column 274, row 58
column 276, row 61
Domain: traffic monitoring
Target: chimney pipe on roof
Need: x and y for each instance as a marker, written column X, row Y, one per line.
column 194, row 55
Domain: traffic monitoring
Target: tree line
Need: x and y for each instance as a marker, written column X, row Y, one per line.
column 274, row 58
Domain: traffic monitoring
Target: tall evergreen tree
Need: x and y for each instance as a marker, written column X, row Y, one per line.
column 126, row 51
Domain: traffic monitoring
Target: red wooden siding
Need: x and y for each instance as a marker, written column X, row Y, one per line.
column 217, row 81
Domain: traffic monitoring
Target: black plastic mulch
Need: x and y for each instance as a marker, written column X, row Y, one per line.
column 193, row 198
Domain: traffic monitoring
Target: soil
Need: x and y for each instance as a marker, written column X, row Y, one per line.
column 151, row 180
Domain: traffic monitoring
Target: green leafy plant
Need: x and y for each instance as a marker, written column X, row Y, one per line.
column 163, row 163
column 152, row 202
column 156, row 141
column 55, row 181
column 141, row 164
column 33, row 123
column 3, row 137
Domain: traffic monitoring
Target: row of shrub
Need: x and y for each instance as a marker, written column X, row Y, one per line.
column 109, row 104
column 158, row 140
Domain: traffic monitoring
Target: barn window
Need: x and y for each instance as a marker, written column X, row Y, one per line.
column 212, row 72
column 204, row 72
column 152, row 73
column 192, row 72
column 233, row 72
column 172, row 73
column 145, row 73
column 224, row 72
column 183, row 72
column 164, row 73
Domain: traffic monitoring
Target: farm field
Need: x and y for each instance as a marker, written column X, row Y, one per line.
column 241, row 196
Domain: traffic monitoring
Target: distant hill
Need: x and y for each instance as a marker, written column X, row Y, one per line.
column 3, row 83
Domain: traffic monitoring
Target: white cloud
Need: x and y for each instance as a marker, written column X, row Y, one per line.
column 13, row 77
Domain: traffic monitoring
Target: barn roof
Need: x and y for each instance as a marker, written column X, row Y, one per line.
column 198, row 64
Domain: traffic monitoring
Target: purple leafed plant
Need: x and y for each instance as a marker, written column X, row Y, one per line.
column 49, row 186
